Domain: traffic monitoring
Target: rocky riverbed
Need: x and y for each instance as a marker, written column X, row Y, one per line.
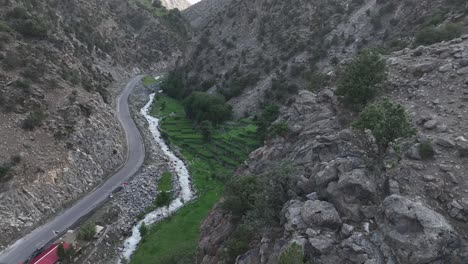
column 120, row 215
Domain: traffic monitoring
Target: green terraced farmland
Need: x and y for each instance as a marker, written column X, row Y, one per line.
column 175, row 239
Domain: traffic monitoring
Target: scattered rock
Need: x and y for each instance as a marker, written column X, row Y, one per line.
column 321, row 214
column 431, row 124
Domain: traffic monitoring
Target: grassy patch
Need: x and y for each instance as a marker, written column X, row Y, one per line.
column 165, row 183
column 148, row 80
column 175, row 239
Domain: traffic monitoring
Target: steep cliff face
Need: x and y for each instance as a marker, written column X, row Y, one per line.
column 62, row 63
column 243, row 45
column 342, row 211
column 340, row 208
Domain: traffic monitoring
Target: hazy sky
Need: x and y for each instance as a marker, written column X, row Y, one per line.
column 194, row 1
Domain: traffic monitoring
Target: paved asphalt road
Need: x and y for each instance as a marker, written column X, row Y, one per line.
column 25, row 246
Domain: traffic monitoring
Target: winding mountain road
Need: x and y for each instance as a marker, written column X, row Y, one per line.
column 42, row 235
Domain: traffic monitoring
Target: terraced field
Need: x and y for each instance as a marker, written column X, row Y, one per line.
column 210, row 163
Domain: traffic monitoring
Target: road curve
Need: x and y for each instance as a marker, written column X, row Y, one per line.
column 40, row 236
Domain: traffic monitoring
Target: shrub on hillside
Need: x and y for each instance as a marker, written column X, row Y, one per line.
column 294, row 254
column 280, row 129
column 33, row 120
column 4, row 169
column 240, row 195
column 431, row 35
column 388, row 121
column 201, row 106
column 426, row 151
column 32, row 27
column 238, row 243
column 360, row 80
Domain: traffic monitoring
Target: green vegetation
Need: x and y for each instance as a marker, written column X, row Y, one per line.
column 87, row 232
column 164, row 196
column 4, row 169
column 388, row 121
column 238, row 242
column 173, row 85
column 4, row 27
column 269, row 114
column 200, row 106
column 175, row 239
column 361, row 79
column 33, row 120
column 431, row 34
column 280, row 129
column 32, row 27
column 143, row 229
column 256, row 202
column 148, row 80
column 165, row 183
column 163, row 199
column 426, row 151
column 294, row 254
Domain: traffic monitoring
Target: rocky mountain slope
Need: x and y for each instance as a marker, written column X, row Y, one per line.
column 342, row 211
column 242, row 46
column 61, row 65
column 336, row 205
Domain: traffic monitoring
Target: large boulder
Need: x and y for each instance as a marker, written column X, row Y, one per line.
column 416, row 233
column 355, row 194
column 321, row 214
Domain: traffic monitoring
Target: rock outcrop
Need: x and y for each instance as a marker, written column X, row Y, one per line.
column 345, row 211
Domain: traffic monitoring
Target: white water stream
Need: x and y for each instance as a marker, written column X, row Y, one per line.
column 183, row 177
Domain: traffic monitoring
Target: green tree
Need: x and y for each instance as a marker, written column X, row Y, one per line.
column 360, row 80
column 173, row 85
column 387, row 121
column 201, row 106
column 206, row 129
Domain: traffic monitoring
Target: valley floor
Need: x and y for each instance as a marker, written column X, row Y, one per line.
column 210, row 163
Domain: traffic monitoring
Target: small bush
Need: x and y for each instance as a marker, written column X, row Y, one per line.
column 360, row 80
column 87, row 232
column 317, row 81
column 240, row 195
column 426, row 151
column 294, row 254
column 4, row 27
column 18, row 13
column 431, row 35
column 32, row 27
column 4, row 169
column 269, row 114
column 281, row 129
column 388, row 121
column 163, row 199
column 143, row 229
column 238, row 243
column 33, row 120
column 206, row 129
